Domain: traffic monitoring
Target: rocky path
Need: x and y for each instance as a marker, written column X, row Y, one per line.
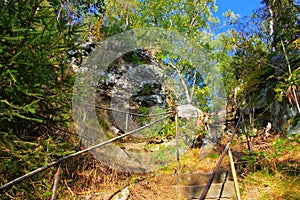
column 165, row 187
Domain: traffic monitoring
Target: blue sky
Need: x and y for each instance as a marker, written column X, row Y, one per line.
column 242, row 7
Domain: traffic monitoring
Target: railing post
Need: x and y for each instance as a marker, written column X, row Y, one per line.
column 177, row 147
column 205, row 191
column 235, row 181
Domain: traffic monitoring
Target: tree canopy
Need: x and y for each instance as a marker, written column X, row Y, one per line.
column 258, row 59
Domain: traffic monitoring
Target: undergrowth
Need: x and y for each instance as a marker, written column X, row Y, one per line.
column 273, row 171
column 20, row 157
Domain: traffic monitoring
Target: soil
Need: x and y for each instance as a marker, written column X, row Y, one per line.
column 163, row 184
column 195, row 172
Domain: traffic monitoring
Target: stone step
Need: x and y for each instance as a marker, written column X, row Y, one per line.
column 195, row 191
column 192, row 185
column 201, row 178
column 196, row 178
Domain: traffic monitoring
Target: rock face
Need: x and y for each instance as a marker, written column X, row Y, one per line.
column 136, row 88
column 188, row 111
column 77, row 56
column 132, row 86
column 133, row 81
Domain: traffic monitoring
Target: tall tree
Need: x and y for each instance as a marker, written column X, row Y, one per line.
column 265, row 62
column 191, row 18
column 185, row 16
column 34, row 81
column 282, row 21
column 35, row 89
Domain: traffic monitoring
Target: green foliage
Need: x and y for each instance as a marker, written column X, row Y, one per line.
column 133, row 57
column 212, row 155
column 190, row 17
column 288, row 82
column 164, row 155
column 258, row 73
column 284, row 145
column 35, row 91
column 294, row 120
column 285, row 19
column 20, row 157
column 144, row 111
column 35, row 84
column 276, row 157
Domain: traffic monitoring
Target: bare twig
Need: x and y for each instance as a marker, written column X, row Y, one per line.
column 126, row 15
column 290, row 71
column 55, row 184
column 59, row 11
column 286, row 57
column 198, row 13
column 68, row 187
column 188, row 97
column 296, row 99
column 194, row 82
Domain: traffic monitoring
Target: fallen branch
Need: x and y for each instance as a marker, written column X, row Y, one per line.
column 55, row 184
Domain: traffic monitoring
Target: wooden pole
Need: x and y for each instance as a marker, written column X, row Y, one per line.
column 177, row 148
column 205, row 191
column 126, row 126
column 235, row 181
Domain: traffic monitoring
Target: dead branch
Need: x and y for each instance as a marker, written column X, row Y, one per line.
column 188, row 97
column 55, row 184
column 290, row 72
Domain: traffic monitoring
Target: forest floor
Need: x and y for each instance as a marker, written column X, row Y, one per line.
column 271, row 170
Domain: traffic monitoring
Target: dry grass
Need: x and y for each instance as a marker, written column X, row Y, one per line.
column 192, row 161
column 262, row 185
column 85, row 177
column 277, row 174
column 88, row 179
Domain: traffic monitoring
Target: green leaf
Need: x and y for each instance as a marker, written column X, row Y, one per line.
column 28, row 118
